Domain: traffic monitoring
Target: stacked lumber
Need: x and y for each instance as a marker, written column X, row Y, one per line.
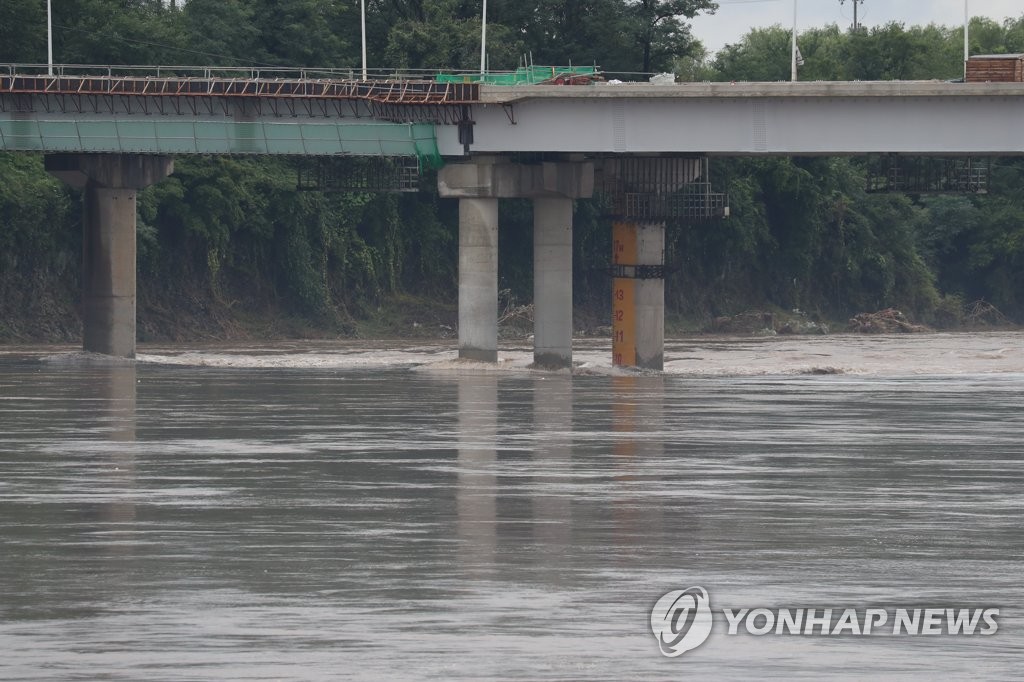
column 996, row 68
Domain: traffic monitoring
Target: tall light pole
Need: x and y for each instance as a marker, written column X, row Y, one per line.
column 49, row 39
column 793, row 71
column 362, row 23
column 967, row 45
column 483, row 41
column 856, row 24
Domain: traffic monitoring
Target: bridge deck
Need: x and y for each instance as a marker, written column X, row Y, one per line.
column 499, row 94
column 908, row 117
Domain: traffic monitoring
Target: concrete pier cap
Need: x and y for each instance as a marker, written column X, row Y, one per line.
column 498, row 178
column 123, row 171
column 111, row 182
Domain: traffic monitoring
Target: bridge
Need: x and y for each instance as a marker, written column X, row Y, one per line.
column 747, row 119
column 113, row 130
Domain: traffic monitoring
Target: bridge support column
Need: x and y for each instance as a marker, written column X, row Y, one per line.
column 111, row 182
column 478, row 186
column 552, row 282
column 478, row 279
column 638, row 295
column 645, row 192
column 650, row 297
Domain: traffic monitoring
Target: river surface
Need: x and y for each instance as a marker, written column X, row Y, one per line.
column 325, row 510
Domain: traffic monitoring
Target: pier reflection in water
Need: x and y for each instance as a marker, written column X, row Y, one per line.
column 637, row 422
column 217, row 523
column 115, row 393
column 477, row 484
column 552, row 492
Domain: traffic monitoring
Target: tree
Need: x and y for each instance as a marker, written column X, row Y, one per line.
column 660, row 31
column 303, row 33
column 22, row 31
column 1014, row 34
column 761, row 55
column 112, row 32
column 445, row 34
column 223, row 30
column 562, row 32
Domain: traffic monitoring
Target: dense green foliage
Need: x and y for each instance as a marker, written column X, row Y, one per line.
column 233, row 235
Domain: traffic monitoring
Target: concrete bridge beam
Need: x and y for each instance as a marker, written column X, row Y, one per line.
column 108, row 243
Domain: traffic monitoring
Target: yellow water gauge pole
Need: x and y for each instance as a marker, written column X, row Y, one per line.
column 624, row 257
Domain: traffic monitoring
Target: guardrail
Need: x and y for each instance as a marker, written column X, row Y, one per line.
column 286, row 73
column 255, row 73
column 207, row 72
column 213, row 82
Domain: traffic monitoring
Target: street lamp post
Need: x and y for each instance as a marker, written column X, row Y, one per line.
column 483, row 41
column 793, row 56
column 362, row 24
column 967, row 45
column 856, row 24
column 49, row 39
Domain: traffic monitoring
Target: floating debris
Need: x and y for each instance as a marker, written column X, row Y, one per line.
column 888, row 321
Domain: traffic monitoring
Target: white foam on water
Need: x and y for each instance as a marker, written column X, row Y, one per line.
column 915, row 355
column 697, row 356
column 80, row 358
column 298, row 355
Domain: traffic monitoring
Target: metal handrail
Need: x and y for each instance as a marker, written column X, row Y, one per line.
column 207, row 71
column 207, row 81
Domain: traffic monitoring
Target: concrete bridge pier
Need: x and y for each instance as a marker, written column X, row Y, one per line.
column 552, row 185
column 111, row 182
column 650, row 296
column 638, row 294
column 552, row 282
column 643, row 190
column 478, row 279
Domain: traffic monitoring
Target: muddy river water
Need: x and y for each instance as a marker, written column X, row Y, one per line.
column 382, row 511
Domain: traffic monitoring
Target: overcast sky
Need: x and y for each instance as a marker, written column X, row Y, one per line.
column 736, row 17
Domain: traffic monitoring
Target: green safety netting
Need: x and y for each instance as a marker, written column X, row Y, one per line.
column 170, row 135
column 524, row 75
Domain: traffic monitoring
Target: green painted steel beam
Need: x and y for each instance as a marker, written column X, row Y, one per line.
column 160, row 135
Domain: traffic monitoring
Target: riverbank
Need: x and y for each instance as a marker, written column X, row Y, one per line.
column 184, row 316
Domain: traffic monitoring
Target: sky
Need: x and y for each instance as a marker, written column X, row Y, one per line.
column 736, row 17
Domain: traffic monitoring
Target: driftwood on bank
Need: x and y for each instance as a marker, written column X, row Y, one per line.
column 888, row 321
column 981, row 314
column 767, row 324
column 744, row 323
